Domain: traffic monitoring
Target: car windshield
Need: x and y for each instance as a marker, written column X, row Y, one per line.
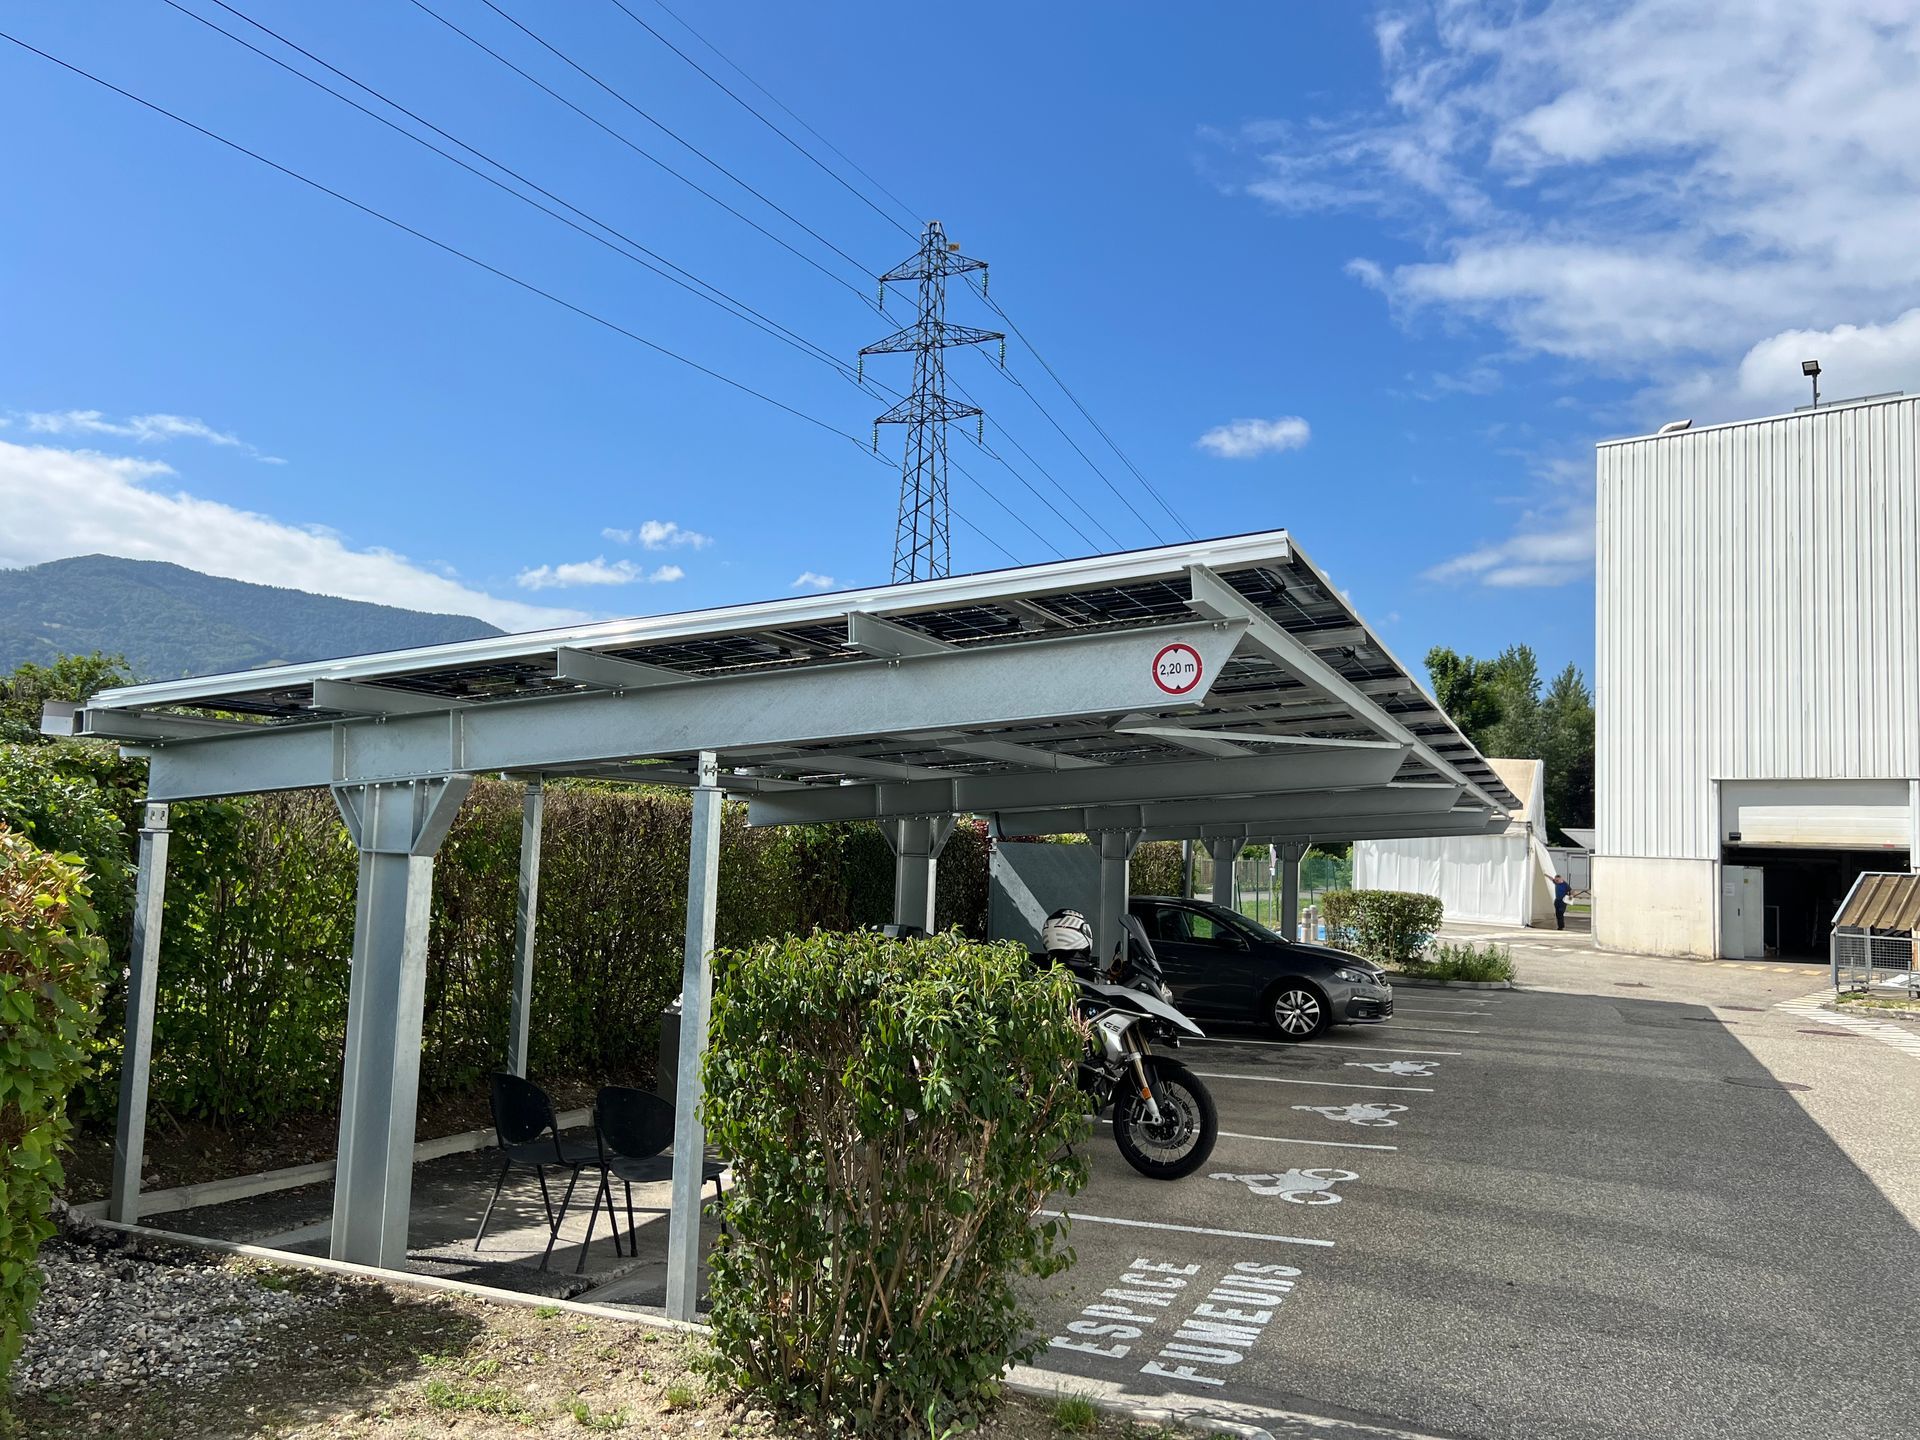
column 1234, row 920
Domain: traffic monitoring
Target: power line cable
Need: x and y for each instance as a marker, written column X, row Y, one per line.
column 436, row 243
column 1021, row 386
column 840, row 179
column 646, row 154
column 671, row 272
column 977, row 284
column 665, row 129
column 909, row 211
column 1112, row 445
column 772, row 327
column 494, row 270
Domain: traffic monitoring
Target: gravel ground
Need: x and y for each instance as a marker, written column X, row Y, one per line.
column 119, row 1311
column 139, row 1341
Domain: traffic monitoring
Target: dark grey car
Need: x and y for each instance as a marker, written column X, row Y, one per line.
column 1222, row 966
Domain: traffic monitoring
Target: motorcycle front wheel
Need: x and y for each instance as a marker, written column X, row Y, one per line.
column 1189, row 1124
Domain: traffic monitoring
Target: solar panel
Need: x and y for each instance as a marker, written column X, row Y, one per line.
column 1255, row 694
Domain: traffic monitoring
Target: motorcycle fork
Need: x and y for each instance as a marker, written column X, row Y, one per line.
column 1137, row 1061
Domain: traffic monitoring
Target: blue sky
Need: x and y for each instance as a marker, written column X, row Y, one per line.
column 1404, row 265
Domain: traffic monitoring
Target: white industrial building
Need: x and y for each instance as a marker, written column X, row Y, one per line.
column 1758, row 676
column 1502, row 879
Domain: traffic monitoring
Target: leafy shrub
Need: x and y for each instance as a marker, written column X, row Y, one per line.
column 1390, row 927
column 894, row 1112
column 50, row 964
column 1465, row 962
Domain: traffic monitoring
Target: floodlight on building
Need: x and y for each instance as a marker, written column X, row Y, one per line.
column 1811, row 369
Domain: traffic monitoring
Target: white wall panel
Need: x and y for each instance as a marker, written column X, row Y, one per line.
column 1758, row 616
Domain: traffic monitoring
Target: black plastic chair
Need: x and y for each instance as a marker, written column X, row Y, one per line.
column 631, row 1129
column 528, row 1135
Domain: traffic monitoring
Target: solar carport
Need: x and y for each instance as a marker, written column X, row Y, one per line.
column 1220, row 691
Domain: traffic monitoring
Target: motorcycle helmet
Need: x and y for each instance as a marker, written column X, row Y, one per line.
column 1066, row 935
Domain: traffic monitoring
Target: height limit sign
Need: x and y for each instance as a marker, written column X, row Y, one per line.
column 1176, row 669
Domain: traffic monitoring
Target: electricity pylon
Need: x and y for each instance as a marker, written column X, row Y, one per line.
column 922, row 548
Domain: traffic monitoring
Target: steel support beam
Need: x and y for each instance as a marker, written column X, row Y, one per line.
column 398, row 829
column 1383, row 827
column 889, row 639
column 526, row 915
column 1186, row 869
column 609, row 672
column 1225, row 852
column 696, row 1005
column 1116, row 850
column 1282, row 809
column 1291, row 852
column 143, row 980
column 1214, row 596
column 916, row 843
column 1024, row 682
column 1107, row 785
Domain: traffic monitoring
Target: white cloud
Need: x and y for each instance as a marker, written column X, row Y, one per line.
column 1854, row 360
column 1644, row 187
column 79, row 502
column 1545, row 551
column 811, row 580
column 1246, row 439
column 659, row 535
column 146, row 429
column 597, row 571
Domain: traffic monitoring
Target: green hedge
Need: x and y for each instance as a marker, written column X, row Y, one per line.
column 894, row 1113
column 1392, row 927
column 50, row 966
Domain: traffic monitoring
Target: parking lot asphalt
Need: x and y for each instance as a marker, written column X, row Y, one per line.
column 1584, row 1211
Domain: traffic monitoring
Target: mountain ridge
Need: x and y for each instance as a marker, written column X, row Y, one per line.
column 170, row 621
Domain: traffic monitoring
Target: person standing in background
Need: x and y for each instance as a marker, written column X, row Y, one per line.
column 1561, row 889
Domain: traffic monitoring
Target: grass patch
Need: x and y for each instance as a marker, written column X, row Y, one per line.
column 1073, row 1414
column 587, row 1418
column 1465, row 962
column 680, row 1396
column 1899, row 1005
column 485, row 1399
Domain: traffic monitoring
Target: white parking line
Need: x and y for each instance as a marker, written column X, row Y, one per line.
column 1319, row 1049
column 1184, row 1229
column 1424, row 1010
column 1323, row 1084
column 1289, row 1140
column 1436, row 1029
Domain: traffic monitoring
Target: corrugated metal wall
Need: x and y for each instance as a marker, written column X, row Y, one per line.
column 1758, row 615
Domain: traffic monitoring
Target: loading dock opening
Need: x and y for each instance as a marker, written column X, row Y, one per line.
column 1219, row 691
column 1801, row 891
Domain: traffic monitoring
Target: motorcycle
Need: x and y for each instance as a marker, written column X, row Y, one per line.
column 1164, row 1120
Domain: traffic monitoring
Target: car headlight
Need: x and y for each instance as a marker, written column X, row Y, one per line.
column 1355, row 977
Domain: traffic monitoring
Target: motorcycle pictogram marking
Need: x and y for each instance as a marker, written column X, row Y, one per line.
column 1367, row 1112
column 1302, row 1187
column 1422, row 1068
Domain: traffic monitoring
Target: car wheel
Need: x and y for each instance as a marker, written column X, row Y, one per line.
column 1297, row 1011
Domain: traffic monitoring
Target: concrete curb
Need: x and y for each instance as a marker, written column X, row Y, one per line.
column 1420, row 982
column 1194, row 1412
column 292, row 1177
column 400, row 1277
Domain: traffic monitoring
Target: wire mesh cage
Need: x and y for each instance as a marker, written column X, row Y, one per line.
column 1873, row 946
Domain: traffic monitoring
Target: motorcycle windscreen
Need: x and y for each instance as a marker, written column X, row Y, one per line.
column 1147, row 1004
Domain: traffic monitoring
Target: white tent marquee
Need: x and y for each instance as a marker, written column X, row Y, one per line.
column 1504, row 879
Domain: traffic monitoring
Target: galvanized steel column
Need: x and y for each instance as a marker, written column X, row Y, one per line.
column 1225, row 852
column 533, row 807
column 696, row 999
column 1290, row 855
column 916, row 843
column 143, row 979
column 398, row 828
column 1116, row 849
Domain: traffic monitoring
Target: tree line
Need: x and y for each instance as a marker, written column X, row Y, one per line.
column 1499, row 705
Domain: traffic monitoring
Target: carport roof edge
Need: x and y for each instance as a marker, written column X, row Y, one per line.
column 1255, row 691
